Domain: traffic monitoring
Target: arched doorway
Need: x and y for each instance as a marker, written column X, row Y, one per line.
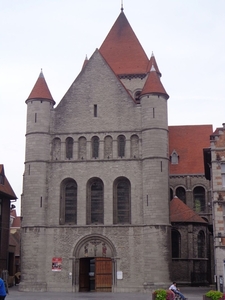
column 94, row 265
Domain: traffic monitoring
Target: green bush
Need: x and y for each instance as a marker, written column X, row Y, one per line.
column 162, row 294
column 215, row 295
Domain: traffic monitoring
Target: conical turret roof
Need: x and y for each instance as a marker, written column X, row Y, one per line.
column 122, row 50
column 180, row 212
column 40, row 90
column 153, row 84
column 152, row 62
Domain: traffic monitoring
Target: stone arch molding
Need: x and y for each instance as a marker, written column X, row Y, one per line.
column 94, row 246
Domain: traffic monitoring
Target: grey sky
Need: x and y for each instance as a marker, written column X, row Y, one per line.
column 186, row 37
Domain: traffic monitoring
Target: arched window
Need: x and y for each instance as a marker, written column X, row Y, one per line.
column 68, row 211
column 134, row 144
column 95, row 201
column 82, row 147
column 56, row 149
column 171, row 194
column 174, row 158
column 69, row 148
column 199, row 199
column 108, row 146
column 176, row 244
column 181, row 193
column 201, row 244
column 95, row 147
column 122, row 206
column 121, row 145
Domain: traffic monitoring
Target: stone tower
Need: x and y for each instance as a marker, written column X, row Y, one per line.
column 95, row 201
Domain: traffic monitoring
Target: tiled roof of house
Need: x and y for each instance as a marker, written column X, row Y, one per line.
column 122, row 50
column 40, row 90
column 180, row 212
column 188, row 142
column 16, row 220
column 153, row 84
column 14, row 240
column 5, row 187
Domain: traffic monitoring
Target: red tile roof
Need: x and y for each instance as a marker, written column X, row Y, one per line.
column 40, row 89
column 188, row 142
column 153, row 84
column 122, row 50
column 5, row 188
column 16, row 220
column 180, row 212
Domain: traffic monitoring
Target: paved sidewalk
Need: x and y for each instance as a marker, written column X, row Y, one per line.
column 192, row 293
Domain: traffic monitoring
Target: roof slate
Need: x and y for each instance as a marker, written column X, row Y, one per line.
column 122, row 50
column 188, row 142
column 180, row 212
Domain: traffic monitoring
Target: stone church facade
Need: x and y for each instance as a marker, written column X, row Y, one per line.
column 95, row 202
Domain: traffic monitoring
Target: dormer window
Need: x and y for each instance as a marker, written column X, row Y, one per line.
column 174, row 157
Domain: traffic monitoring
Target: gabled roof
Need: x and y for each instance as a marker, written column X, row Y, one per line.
column 5, row 187
column 153, row 84
column 41, row 90
column 188, row 142
column 122, row 50
column 180, row 212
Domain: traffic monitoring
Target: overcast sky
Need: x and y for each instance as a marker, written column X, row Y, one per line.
column 187, row 38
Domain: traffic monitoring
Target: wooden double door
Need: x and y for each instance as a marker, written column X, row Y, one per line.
column 95, row 274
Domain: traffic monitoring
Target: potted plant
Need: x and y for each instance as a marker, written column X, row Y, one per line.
column 162, row 294
column 214, row 295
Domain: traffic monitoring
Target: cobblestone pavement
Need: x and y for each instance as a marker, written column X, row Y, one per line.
column 192, row 293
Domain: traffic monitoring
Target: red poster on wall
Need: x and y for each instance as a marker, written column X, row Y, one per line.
column 56, row 264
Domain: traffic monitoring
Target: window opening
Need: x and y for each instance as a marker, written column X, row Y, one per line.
column 97, row 202
column 121, row 145
column 95, row 110
column 69, row 148
column 181, row 193
column 176, row 240
column 199, row 199
column 95, row 147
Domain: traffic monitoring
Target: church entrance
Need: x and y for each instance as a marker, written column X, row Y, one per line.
column 95, row 274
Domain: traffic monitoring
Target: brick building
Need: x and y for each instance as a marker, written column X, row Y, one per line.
column 95, row 203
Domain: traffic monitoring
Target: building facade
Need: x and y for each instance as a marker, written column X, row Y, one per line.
column 95, row 202
column 6, row 196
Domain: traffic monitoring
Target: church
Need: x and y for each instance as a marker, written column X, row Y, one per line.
column 100, row 172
